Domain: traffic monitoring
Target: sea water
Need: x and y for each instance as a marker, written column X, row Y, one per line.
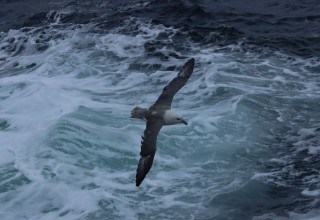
column 69, row 149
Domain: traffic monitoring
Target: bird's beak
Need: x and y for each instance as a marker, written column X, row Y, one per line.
column 184, row 122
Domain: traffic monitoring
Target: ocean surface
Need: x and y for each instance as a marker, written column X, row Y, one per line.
column 71, row 71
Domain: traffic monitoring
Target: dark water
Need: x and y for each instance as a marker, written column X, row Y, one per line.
column 72, row 70
column 289, row 25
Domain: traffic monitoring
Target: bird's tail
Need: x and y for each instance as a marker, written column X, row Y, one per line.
column 138, row 112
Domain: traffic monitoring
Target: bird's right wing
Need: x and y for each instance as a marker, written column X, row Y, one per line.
column 165, row 99
column 148, row 148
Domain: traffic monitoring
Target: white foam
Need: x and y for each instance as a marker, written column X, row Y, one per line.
column 292, row 216
column 308, row 192
column 290, row 72
column 314, row 150
column 6, row 157
column 280, row 79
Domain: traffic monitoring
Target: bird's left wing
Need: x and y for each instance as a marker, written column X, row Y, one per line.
column 148, row 148
column 165, row 99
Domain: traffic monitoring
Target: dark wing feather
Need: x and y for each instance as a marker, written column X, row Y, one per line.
column 165, row 99
column 148, row 148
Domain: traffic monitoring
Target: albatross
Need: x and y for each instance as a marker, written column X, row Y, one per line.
column 158, row 115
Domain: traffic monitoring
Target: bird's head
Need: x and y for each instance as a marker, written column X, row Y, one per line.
column 172, row 118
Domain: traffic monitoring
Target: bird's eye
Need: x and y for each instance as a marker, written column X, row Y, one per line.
column 178, row 119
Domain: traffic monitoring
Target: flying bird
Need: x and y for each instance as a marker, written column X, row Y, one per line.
column 158, row 115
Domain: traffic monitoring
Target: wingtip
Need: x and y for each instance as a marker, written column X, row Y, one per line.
column 192, row 60
column 143, row 168
column 138, row 184
column 187, row 69
column 140, row 177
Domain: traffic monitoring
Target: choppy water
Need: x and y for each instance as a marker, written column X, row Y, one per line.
column 71, row 74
